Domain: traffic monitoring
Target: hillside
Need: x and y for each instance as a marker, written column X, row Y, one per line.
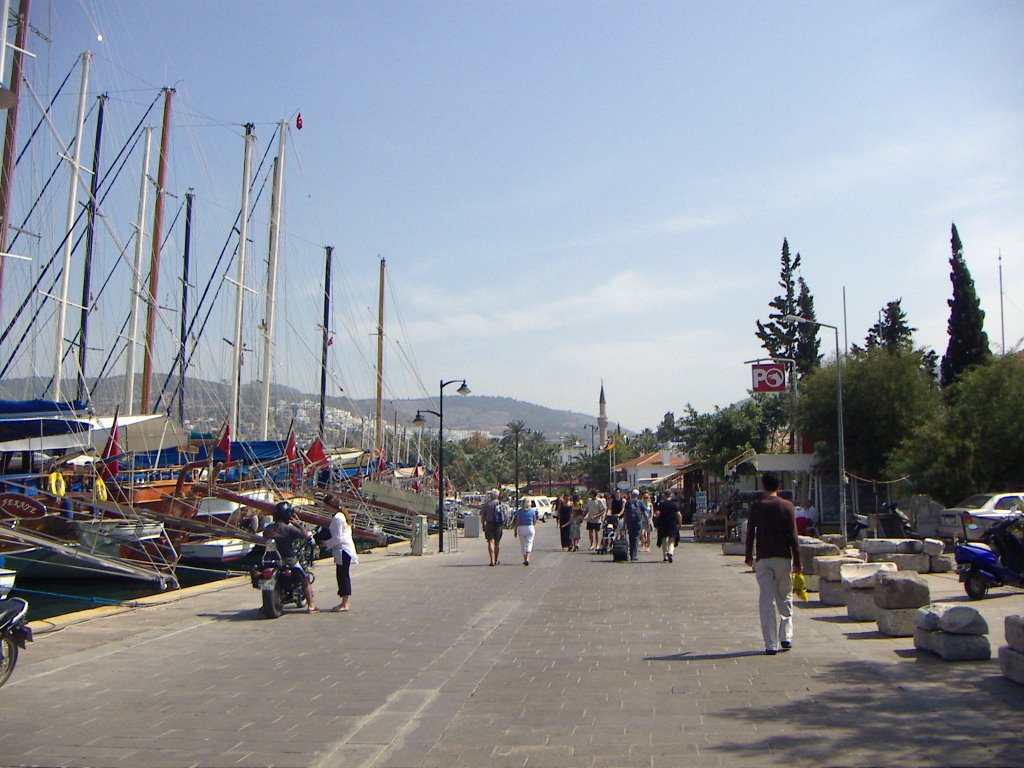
column 481, row 413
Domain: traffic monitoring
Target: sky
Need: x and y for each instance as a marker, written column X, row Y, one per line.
column 568, row 194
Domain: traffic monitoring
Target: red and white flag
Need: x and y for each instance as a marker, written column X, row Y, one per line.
column 224, row 443
column 316, row 456
column 110, row 466
column 291, row 452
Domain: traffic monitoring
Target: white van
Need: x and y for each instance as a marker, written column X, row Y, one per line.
column 540, row 504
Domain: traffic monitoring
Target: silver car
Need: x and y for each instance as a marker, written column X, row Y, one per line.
column 976, row 514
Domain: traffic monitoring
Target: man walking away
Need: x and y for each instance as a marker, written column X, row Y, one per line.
column 667, row 520
column 634, row 515
column 492, row 515
column 771, row 531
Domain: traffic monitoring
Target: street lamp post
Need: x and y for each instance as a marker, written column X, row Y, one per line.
column 839, row 403
column 593, row 428
column 462, row 390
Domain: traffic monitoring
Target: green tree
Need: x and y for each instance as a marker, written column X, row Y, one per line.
column 886, row 396
column 779, row 339
column 891, row 332
column 645, row 442
column 712, row 439
column 808, row 354
column 668, row 430
column 976, row 443
column 968, row 342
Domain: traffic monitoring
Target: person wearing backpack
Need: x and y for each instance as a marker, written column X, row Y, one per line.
column 493, row 517
column 633, row 512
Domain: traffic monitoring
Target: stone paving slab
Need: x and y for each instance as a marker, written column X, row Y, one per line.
column 444, row 661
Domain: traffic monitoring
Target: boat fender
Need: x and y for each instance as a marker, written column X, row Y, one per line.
column 99, row 490
column 56, row 484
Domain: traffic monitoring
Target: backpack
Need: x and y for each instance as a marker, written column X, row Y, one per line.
column 634, row 511
column 322, row 534
column 500, row 515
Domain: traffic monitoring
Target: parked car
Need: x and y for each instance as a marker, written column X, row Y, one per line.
column 540, row 504
column 976, row 514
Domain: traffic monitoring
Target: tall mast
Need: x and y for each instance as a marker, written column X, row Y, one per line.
column 69, row 241
column 378, row 438
column 154, row 259
column 243, row 236
column 90, row 245
column 276, row 196
column 128, row 399
column 185, row 260
column 11, row 133
column 326, row 339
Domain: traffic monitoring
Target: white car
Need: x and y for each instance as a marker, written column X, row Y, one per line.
column 976, row 514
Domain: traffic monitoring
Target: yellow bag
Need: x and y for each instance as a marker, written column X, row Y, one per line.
column 799, row 587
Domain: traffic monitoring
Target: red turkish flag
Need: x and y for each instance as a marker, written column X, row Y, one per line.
column 224, row 444
column 298, row 121
column 109, row 466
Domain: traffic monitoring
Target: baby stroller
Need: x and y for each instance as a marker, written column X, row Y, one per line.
column 607, row 535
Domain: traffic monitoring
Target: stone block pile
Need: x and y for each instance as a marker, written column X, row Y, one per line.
column 830, row 580
column 811, row 548
column 898, row 595
column 1011, row 655
column 909, row 554
column 955, row 632
column 858, row 581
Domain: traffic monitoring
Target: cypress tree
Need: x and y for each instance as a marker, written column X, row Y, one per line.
column 968, row 342
column 808, row 356
column 780, row 339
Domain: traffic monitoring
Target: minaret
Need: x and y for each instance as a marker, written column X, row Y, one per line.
column 602, row 419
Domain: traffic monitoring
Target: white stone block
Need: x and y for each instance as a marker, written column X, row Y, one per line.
column 953, row 647
column 812, row 548
column 836, row 539
column 1011, row 663
column 903, row 589
column 878, row 546
column 862, row 575
column 956, row 618
column 896, row 622
column 1014, row 626
column 934, row 547
column 831, row 592
column 860, row 605
column 940, row 563
column 909, row 546
column 734, row 548
column 828, row 567
column 812, row 581
column 920, row 563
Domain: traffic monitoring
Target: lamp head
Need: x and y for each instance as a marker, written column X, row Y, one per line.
column 463, row 390
column 790, row 319
column 419, row 421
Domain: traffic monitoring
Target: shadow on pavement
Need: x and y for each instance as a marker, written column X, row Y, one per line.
column 687, row 656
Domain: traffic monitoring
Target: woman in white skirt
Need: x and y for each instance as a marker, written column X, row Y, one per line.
column 525, row 530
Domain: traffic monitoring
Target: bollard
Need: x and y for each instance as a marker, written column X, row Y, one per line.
column 418, row 540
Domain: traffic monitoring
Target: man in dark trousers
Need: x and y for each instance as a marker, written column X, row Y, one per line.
column 771, row 531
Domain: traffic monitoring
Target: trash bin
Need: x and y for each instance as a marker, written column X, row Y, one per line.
column 471, row 526
column 419, row 534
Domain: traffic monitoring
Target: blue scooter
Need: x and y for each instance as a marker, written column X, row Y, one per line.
column 995, row 562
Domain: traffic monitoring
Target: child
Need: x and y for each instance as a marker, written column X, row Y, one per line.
column 574, row 528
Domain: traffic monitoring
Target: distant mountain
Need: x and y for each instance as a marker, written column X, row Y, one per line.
column 205, row 401
column 490, row 415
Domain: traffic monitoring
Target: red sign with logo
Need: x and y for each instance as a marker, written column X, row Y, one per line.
column 769, row 377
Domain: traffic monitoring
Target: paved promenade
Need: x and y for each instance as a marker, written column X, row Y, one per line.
column 446, row 662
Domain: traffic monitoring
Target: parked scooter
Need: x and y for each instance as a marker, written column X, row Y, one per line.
column 279, row 583
column 14, row 634
column 889, row 523
column 996, row 561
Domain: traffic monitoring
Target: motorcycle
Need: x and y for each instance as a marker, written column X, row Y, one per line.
column 279, row 583
column 996, row 561
column 14, row 634
column 889, row 523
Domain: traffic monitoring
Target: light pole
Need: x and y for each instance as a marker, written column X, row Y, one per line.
column 839, row 402
column 418, row 421
column 593, row 428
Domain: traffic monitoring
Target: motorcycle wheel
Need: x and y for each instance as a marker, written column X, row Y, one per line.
column 8, row 657
column 976, row 585
column 273, row 602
